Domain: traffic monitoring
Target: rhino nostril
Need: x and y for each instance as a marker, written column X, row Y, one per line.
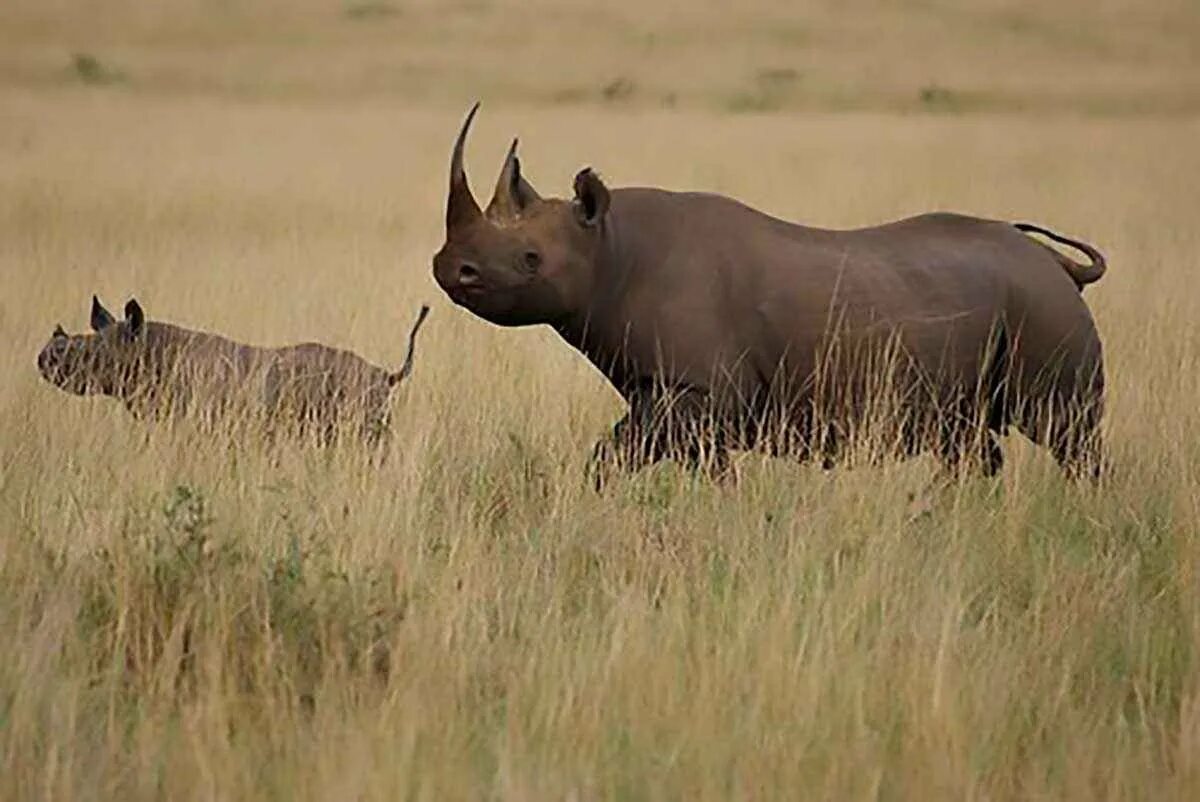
column 468, row 275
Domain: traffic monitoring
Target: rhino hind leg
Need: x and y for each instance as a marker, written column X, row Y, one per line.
column 1078, row 448
column 377, row 443
column 1065, row 418
column 993, row 455
column 1070, row 431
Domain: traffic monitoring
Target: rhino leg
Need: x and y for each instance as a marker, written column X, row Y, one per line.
column 971, row 433
column 1068, row 424
column 978, row 449
column 676, row 426
column 377, row 443
column 375, row 430
column 1078, row 448
column 796, row 435
column 993, row 455
column 270, row 406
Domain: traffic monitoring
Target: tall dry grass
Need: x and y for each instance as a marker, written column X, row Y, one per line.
column 185, row 617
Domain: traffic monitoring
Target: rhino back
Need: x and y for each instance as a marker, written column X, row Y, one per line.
column 709, row 292
column 202, row 370
column 317, row 380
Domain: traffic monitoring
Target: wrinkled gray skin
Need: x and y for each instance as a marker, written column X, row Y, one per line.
column 159, row 370
column 725, row 328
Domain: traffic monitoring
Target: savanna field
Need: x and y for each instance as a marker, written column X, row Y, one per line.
column 184, row 615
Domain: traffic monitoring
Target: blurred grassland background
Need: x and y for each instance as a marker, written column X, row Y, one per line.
column 184, row 617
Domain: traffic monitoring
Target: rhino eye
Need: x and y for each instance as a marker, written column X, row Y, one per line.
column 533, row 259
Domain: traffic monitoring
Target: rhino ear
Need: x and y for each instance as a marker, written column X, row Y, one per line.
column 591, row 198
column 101, row 317
column 135, row 319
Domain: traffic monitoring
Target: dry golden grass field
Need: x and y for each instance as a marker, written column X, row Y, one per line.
column 184, row 617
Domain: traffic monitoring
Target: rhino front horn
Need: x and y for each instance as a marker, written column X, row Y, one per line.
column 461, row 207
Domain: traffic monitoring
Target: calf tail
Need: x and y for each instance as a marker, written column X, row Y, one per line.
column 406, row 368
column 1081, row 274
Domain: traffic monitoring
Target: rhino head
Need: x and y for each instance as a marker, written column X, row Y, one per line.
column 109, row 361
column 525, row 259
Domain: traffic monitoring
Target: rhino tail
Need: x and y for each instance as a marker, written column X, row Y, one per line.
column 406, row 368
column 1080, row 273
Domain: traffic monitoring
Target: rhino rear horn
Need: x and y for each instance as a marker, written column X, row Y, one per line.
column 513, row 193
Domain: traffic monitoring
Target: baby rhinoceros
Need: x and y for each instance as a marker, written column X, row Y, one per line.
column 159, row 370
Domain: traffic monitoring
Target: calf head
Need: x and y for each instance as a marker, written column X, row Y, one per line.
column 110, row 361
column 525, row 259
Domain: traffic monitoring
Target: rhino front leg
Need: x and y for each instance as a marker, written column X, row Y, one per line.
column 609, row 456
column 678, row 426
column 976, row 448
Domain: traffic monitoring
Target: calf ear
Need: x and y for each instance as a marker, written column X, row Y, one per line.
column 591, row 198
column 59, row 332
column 135, row 319
column 101, row 317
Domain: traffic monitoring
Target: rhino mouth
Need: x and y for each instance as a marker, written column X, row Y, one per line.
column 51, row 368
column 471, row 290
column 464, row 296
column 64, row 379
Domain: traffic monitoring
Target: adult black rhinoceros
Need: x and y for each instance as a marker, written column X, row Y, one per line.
column 725, row 328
